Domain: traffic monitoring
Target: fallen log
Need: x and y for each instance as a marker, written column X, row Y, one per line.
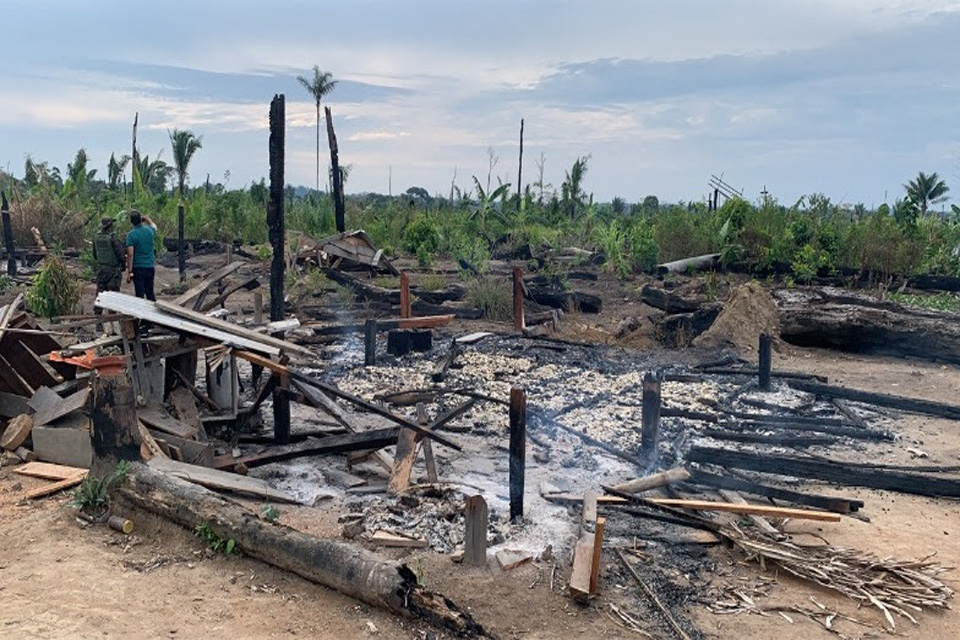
column 696, row 263
column 777, row 440
column 666, row 301
column 827, row 503
column 913, row 405
column 350, row 570
column 831, row 471
column 786, row 375
column 566, row 300
column 855, row 433
column 838, row 319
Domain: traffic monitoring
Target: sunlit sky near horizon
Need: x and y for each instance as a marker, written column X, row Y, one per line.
column 850, row 98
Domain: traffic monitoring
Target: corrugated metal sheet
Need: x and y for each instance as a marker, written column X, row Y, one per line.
column 147, row 310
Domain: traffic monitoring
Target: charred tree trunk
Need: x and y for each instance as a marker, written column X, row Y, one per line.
column 338, row 204
column 8, row 236
column 520, row 171
column 181, row 243
column 113, row 434
column 353, row 571
column 277, row 229
column 837, row 319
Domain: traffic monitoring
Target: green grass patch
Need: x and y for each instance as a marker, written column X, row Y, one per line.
column 494, row 296
column 937, row 301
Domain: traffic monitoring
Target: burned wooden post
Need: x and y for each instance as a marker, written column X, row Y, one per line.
column 338, row 204
column 405, row 306
column 475, row 536
column 8, row 236
column 520, row 171
column 765, row 357
column 518, row 321
column 276, row 227
column 181, row 244
column 256, row 370
column 370, row 342
column 518, row 450
column 114, row 435
column 650, row 431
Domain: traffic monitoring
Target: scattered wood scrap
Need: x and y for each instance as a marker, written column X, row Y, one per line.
column 362, row 441
column 213, row 479
column 17, row 432
column 395, row 539
column 49, row 471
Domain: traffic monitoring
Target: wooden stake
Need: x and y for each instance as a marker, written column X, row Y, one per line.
column 338, row 204
column 258, row 308
column 518, row 449
column 518, row 321
column 370, row 343
column 428, row 458
column 597, row 550
column 277, row 229
column 475, row 537
column 764, row 366
column 8, row 235
column 520, row 170
column 405, row 308
column 181, row 244
column 650, row 433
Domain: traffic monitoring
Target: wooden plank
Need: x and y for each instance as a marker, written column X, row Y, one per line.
column 63, row 445
column 706, row 505
column 48, row 471
column 428, row 459
column 8, row 312
column 588, row 516
column 231, row 328
column 17, row 432
column 249, row 285
column 387, row 539
column 671, row 476
column 149, row 447
column 508, row 559
column 54, row 411
column 597, row 552
column 913, row 405
column 158, row 419
column 185, row 409
column 207, row 282
column 55, row 487
column 12, row 380
column 827, row 503
column 43, row 399
column 198, row 453
column 12, row 405
column 582, row 568
column 403, row 462
column 213, row 479
column 29, row 366
column 375, row 439
column 475, row 535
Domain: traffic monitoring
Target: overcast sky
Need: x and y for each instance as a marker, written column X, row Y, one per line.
column 846, row 97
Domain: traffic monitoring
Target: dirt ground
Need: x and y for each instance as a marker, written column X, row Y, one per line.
column 61, row 579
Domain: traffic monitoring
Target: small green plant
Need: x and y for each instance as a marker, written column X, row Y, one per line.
column 269, row 513
column 432, row 282
column 387, row 282
column 54, row 291
column 938, row 302
column 93, row 494
column 6, row 283
column 493, row 296
column 205, row 532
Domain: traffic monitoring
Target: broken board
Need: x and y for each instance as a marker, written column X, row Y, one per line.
column 48, row 471
column 51, row 410
column 213, row 479
column 391, row 539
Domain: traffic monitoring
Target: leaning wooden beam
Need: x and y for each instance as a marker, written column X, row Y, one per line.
column 207, row 282
column 350, row 570
column 827, row 503
column 363, row 441
column 424, row 322
column 671, row 476
column 802, row 467
column 913, row 405
column 220, row 480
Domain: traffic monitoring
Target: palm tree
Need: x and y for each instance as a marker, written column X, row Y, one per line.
column 153, row 173
column 320, row 85
column 115, row 170
column 184, row 145
column 78, row 177
column 926, row 190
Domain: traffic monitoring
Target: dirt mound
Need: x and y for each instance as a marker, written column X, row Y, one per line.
column 749, row 312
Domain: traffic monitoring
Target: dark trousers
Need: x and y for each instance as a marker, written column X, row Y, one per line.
column 143, row 282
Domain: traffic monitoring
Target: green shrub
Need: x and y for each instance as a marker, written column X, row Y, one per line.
column 493, row 296
column 421, row 233
column 54, row 291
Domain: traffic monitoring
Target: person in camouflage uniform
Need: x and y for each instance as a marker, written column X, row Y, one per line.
column 109, row 252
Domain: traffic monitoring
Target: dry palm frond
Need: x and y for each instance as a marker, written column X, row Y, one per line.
column 892, row 586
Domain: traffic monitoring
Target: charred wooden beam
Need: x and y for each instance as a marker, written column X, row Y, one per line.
column 277, row 229
column 778, row 440
column 912, row 405
column 763, row 367
column 650, row 432
column 338, row 199
column 363, row 441
column 518, row 449
column 856, row 433
column 831, row 471
column 441, row 368
column 8, row 235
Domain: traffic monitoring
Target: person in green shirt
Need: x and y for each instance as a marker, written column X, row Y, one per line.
column 108, row 251
column 140, row 256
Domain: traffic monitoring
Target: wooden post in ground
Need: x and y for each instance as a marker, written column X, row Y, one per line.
column 255, row 369
column 650, row 431
column 405, row 308
column 428, row 460
column 338, row 204
column 475, row 537
column 114, row 435
column 8, row 236
column 520, row 170
column 277, row 229
column 370, row 342
column 181, row 244
column 518, row 450
column 765, row 357
column 518, row 321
